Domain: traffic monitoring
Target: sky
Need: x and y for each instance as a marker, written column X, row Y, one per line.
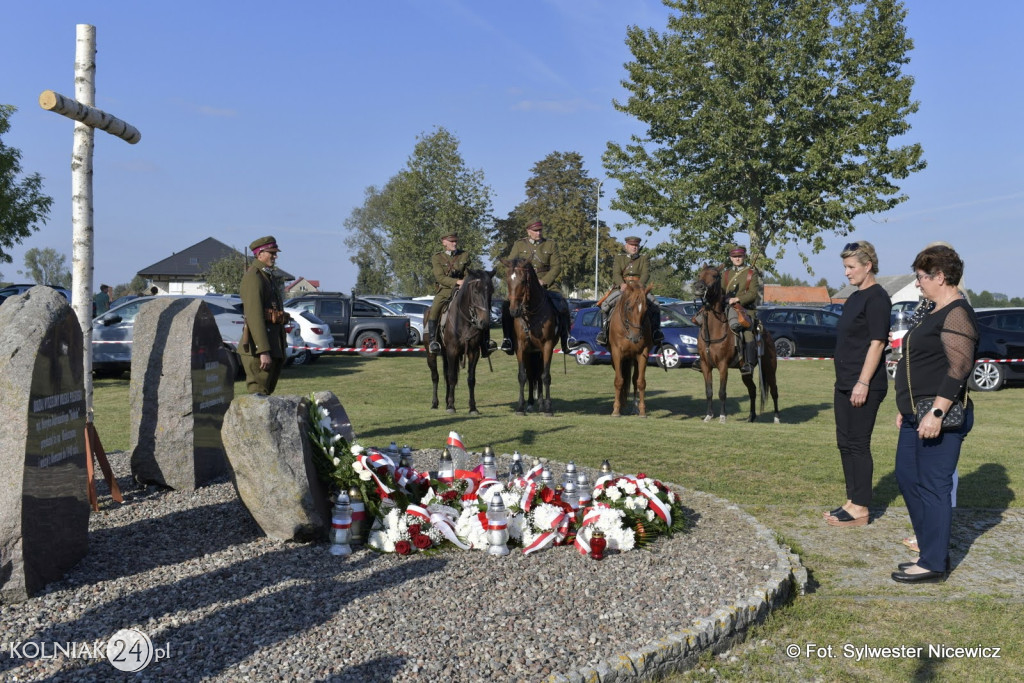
column 269, row 118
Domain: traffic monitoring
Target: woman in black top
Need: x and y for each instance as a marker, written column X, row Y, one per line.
column 861, row 382
column 938, row 356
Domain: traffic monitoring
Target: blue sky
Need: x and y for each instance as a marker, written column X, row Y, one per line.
column 270, row 118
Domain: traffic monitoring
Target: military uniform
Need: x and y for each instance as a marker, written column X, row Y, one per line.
column 264, row 323
column 630, row 268
column 448, row 267
column 547, row 263
column 743, row 283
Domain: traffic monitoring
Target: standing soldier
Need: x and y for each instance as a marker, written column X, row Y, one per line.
column 547, row 262
column 263, row 338
column 449, row 267
column 631, row 266
column 742, row 286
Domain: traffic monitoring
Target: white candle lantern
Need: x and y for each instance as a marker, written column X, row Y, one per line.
column 341, row 526
column 497, row 526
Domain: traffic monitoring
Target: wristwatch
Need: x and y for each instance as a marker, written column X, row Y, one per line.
column 938, row 412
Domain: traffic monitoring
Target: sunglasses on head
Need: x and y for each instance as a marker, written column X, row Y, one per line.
column 852, row 246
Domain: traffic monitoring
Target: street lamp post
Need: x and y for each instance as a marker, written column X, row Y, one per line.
column 597, row 236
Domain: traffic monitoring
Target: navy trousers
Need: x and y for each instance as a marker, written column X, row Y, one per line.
column 924, row 470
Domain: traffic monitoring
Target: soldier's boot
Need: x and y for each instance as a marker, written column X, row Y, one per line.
column 488, row 345
column 435, row 346
column 602, row 336
column 750, row 358
column 563, row 330
column 506, row 346
column 658, row 337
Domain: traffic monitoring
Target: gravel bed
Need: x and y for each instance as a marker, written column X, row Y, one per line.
column 194, row 572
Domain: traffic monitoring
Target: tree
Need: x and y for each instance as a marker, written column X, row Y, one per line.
column 766, row 117
column 368, row 235
column 434, row 195
column 139, row 286
column 23, row 207
column 225, row 274
column 561, row 194
column 46, row 267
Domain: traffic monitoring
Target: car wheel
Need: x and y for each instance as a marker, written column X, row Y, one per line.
column 302, row 357
column 584, row 354
column 414, row 337
column 784, row 348
column 987, row 376
column 668, row 357
column 891, row 361
column 369, row 344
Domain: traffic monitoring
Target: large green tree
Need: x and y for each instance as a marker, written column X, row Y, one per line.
column 561, row 194
column 23, row 206
column 46, row 267
column 225, row 274
column 766, row 120
column 368, row 240
column 434, row 195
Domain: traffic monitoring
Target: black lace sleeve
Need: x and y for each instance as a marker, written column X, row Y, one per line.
column 959, row 340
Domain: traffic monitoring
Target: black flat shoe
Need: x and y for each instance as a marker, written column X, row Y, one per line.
column 923, row 577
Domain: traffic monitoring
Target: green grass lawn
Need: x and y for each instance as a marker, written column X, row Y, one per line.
column 762, row 466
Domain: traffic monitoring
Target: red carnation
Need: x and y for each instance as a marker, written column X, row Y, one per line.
column 449, row 496
column 415, row 530
column 403, row 547
column 421, row 541
column 547, row 495
column 641, row 475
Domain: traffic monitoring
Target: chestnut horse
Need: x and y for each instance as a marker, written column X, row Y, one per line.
column 629, row 339
column 716, row 346
column 536, row 326
column 462, row 331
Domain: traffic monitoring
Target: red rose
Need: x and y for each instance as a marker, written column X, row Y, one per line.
column 421, row 541
column 415, row 530
column 403, row 547
column 449, row 496
column 547, row 495
column 641, row 475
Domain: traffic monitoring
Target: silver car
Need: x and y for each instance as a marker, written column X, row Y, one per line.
column 112, row 332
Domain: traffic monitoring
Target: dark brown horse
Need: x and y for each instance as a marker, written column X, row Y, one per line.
column 536, row 329
column 462, row 332
column 629, row 339
column 717, row 347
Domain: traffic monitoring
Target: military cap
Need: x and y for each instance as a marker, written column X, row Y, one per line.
column 267, row 243
column 632, row 240
column 738, row 250
column 450, row 236
column 535, row 225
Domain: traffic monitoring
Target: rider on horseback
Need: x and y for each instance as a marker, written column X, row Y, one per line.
column 547, row 262
column 742, row 286
column 631, row 266
column 449, row 266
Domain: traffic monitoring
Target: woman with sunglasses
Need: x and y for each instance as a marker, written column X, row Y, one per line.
column 861, row 382
column 938, row 357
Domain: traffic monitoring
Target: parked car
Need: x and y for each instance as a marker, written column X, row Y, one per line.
column 314, row 334
column 416, row 311
column 801, row 331
column 679, row 349
column 12, row 290
column 1001, row 337
column 355, row 322
column 834, row 308
column 687, row 309
column 112, row 332
column 905, row 307
column 496, row 305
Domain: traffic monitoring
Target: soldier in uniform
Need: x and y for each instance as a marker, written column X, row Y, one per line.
column 263, row 344
column 547, row 262
column 742, row 285
column 631, row 266
column 449, row 267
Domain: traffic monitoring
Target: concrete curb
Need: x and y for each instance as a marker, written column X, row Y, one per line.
column 718, row 632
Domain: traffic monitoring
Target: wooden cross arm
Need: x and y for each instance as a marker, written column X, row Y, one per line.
column 90, row 116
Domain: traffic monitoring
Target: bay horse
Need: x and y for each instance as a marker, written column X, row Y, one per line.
column 630, row 338
column 462, row 332
column 716, row 346
column 536, row 333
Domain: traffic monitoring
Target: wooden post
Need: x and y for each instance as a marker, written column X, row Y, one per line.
column 87, row 118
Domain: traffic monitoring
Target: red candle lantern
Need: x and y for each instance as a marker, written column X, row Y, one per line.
column 597, row 544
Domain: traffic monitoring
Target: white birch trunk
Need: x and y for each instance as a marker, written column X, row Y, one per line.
column 81, row 200
column 90, row 116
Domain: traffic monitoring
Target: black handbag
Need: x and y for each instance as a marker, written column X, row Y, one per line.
column 954, row 417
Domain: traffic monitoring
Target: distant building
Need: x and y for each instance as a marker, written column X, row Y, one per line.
column 301, row 286
column 184, row 272
column 898, row 287
column 778, row 294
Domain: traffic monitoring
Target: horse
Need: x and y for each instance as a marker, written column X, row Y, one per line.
column 462, row 332
column 536, row 333
column 716, row 346
column 630, row 338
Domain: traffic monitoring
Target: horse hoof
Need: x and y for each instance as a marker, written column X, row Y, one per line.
column 721, row 419
column 708, row 418
column 777, row 421
column 474, row 412
column 616, row 415
column 450, row 411
column 520, row 412
column 549, row 414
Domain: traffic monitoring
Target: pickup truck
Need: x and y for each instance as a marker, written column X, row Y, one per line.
column 355, row 322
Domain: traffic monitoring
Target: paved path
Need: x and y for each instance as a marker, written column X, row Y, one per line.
column 986, row 550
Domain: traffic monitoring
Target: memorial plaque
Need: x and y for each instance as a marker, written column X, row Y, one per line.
column 44, row 506
column 182, row 384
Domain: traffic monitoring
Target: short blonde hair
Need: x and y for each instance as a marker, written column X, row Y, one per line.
column 864, row 252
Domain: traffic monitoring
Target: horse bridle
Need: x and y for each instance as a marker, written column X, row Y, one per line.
column 711, row 309
column 633, row 337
